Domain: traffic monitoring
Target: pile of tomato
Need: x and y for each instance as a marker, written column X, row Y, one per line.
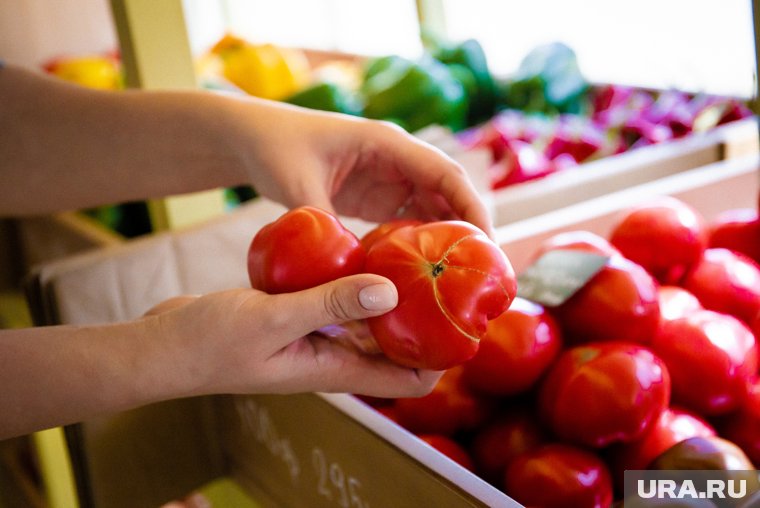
column 652, row 363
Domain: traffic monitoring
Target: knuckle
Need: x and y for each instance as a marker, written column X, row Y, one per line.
column 336, row 307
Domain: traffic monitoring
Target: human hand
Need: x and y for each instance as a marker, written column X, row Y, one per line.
column 358, row 168
column 246, row 341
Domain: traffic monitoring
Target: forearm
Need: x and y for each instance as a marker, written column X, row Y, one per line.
column 59, row 375
column 66, row 147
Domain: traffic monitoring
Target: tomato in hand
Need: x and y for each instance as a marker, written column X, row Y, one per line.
column 711, row 357
column 726, row 281
column 303, row 248
column 743, row 425
column 450, row 448
column 737, row 230
column 450, row 407
column 620, row 302
column 559, row 476
column 604, row 393
column 673, row 426
column 451, row 279
column 516, row 350
column 502, row 439
column 666, row 237
column 379, row 231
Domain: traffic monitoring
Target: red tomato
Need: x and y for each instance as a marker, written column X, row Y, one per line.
column 603, row 393
column 559, row 476
column 666, row 237
column 726, row 281
column 711, row 358
column 676, row 302
column 379, row 231
column 303, row 248
column 743, row 426
column 577, row 240
column 620, row 302
column 451, row 279
column 518, row 347
column 673, row 426
column 450, row 407
column 502, row 439
column 450, row 448
column 737, row 230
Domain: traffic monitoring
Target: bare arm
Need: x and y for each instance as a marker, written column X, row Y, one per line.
column 65, row 147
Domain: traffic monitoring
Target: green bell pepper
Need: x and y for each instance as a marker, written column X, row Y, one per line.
column 328, row 96
column 415, row 94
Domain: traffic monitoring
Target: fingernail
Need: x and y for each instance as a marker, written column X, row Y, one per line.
column 378, row 297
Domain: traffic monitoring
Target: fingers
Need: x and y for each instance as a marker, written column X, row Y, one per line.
column 433, row 171
column 326, row 366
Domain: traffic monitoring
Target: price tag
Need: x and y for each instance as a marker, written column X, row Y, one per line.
column 558, row 275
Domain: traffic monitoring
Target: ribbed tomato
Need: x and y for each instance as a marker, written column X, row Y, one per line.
column 451, row 280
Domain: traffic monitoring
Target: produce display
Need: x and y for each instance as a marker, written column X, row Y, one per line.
column 656, row 369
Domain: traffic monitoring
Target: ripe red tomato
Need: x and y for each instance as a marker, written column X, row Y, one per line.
column 742, row 427
column 665, row 236
column 676, row 302
column 673, row 426
column 379, row 231
column 559, row 476
column 502, row 439
column 517, row 348
column 577, row 240
column 303, row 248
column 711, row 358
column 726, row 281
column 604, row 393
column 450, row 407
column 451, row 279
column 450, row 448
column 737, row 230
column 620, row 302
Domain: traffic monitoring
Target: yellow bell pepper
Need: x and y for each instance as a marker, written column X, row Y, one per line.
column 103, row 72
column 263, row 70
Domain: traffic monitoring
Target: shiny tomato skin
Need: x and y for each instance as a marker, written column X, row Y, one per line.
column 726, row 281
column 620, row 302
column 559, row 476
column 711, row 357
column 450, row 448
column 577, row 240
column 451, row 279
column 673, row 426
column 303, row 248
column 666, row 237
column 737, row 230
column 502, row 439
column 379, row 231
column 516, row 350
column 676, row 302
column 450, row 407
column 603, row 393
column 742, row 427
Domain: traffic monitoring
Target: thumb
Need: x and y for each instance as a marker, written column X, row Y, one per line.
column 346, row 299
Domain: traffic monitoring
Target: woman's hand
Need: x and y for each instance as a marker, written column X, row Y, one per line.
column 355, row 167
column 246, row 341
